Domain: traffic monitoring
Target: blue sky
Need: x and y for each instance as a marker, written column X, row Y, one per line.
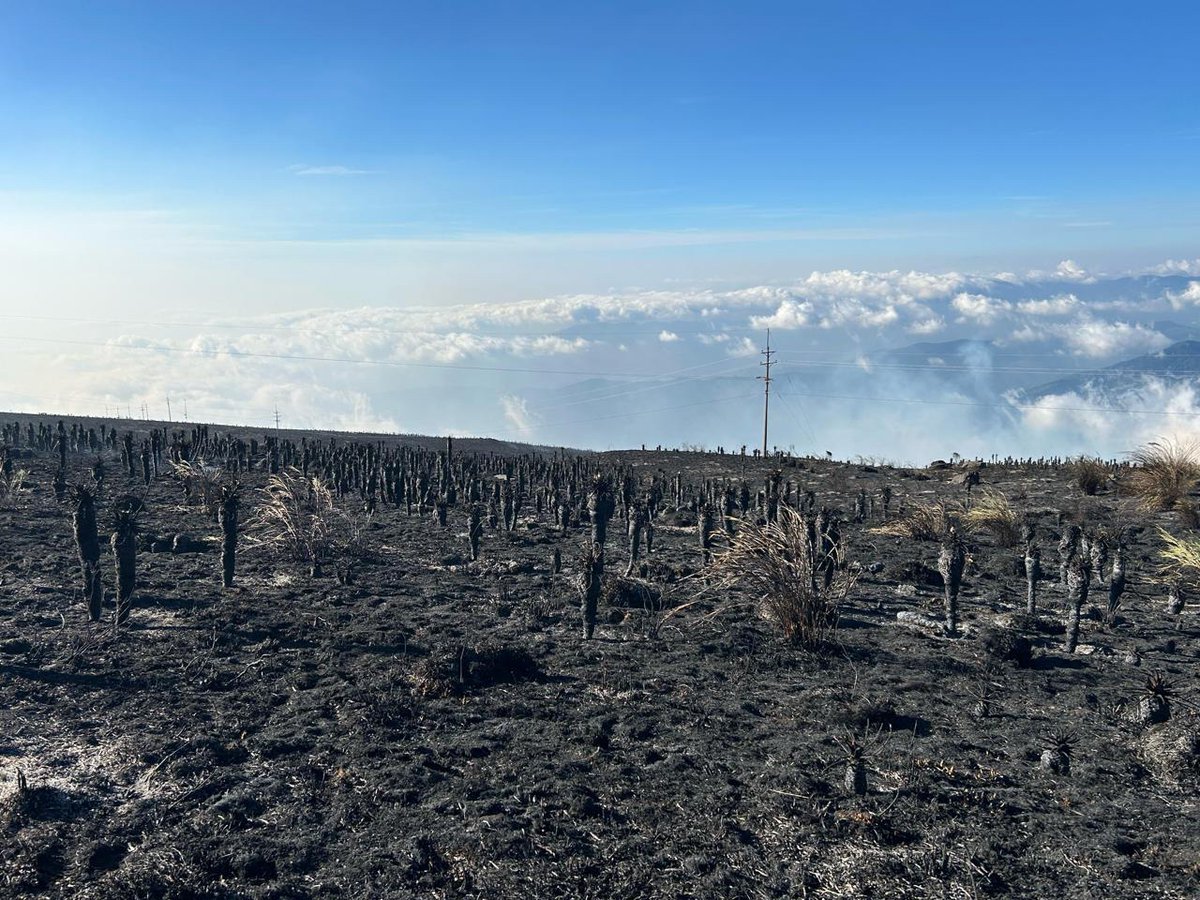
column 964, row 131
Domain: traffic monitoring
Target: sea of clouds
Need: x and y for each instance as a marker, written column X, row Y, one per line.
column 899, row 366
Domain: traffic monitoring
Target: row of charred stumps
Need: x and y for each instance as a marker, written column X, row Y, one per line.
column 122, row 520
column 1084, row 559
column 400, row 475
column 716, row 516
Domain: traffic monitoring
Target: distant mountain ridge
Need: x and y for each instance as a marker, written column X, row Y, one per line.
column 1179, row 361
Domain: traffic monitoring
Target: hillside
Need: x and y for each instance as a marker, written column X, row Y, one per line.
column 407, row 721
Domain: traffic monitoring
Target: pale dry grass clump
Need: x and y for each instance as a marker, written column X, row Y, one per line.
column 993, row 513
column 923, row 521
column 12, row 483
column 297, row 516
column 796, row 574
column 1164, row 473
column 1181, row 555
column 200, row 482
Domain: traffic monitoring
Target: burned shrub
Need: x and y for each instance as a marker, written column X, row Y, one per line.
column 1006, row 645
column 630, row 593
column 1059, row 747
column 450, row 671
column 1089, row 474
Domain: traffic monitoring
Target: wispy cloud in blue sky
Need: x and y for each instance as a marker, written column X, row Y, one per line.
column 299, row 169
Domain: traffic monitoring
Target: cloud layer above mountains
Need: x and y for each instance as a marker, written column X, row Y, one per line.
column 898, row 365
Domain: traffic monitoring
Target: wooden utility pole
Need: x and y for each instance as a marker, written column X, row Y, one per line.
column 765, row 378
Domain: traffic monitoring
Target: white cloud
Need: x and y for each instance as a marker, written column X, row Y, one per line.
column 927, row 326
column 299, row 169
column 790, row 315
column 1096, row 339
column 1093, row 338
column 979, row 307
column 1176, row 267
column 1189, row 296
column 1055, row 306
column 901, row 287
column 1069, row 270
column 1086, row 417
column 843, row 315
column 744, row 347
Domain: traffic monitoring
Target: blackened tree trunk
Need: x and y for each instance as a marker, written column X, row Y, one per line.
column 474, row 528
column 591, row 579
column 1078, row 578
column 87, row 541
column 124, row 548
column 601, row 506
column 1116, row 586
column 228, row 517
column 705, row 525
column 951, row 563
column 637, row 521
column 1033, row 571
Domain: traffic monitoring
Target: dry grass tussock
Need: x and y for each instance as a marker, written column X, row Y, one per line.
column 1089, row 474
column 800, row 584
column 298, row 517
column 200, row 482
column 12, row 485
column 923, row 521
column 993, row 513
column 1181, row 555
column 1164, row 473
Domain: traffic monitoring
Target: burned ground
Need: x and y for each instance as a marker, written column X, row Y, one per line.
column 441, row 728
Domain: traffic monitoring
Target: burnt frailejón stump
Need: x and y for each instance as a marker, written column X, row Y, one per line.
column 601, row 505
column 1033, row 569
column 474, row 528
column 704, row 526
column 591, row 577
column 951, row 563
column 1068, row 549
column 1056, row 757
column 1079, row 577
column 227, row 517
column 1174, row 598
column 87, row 542
column 1116, row 583
column 637, row 524
column 124, row 548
